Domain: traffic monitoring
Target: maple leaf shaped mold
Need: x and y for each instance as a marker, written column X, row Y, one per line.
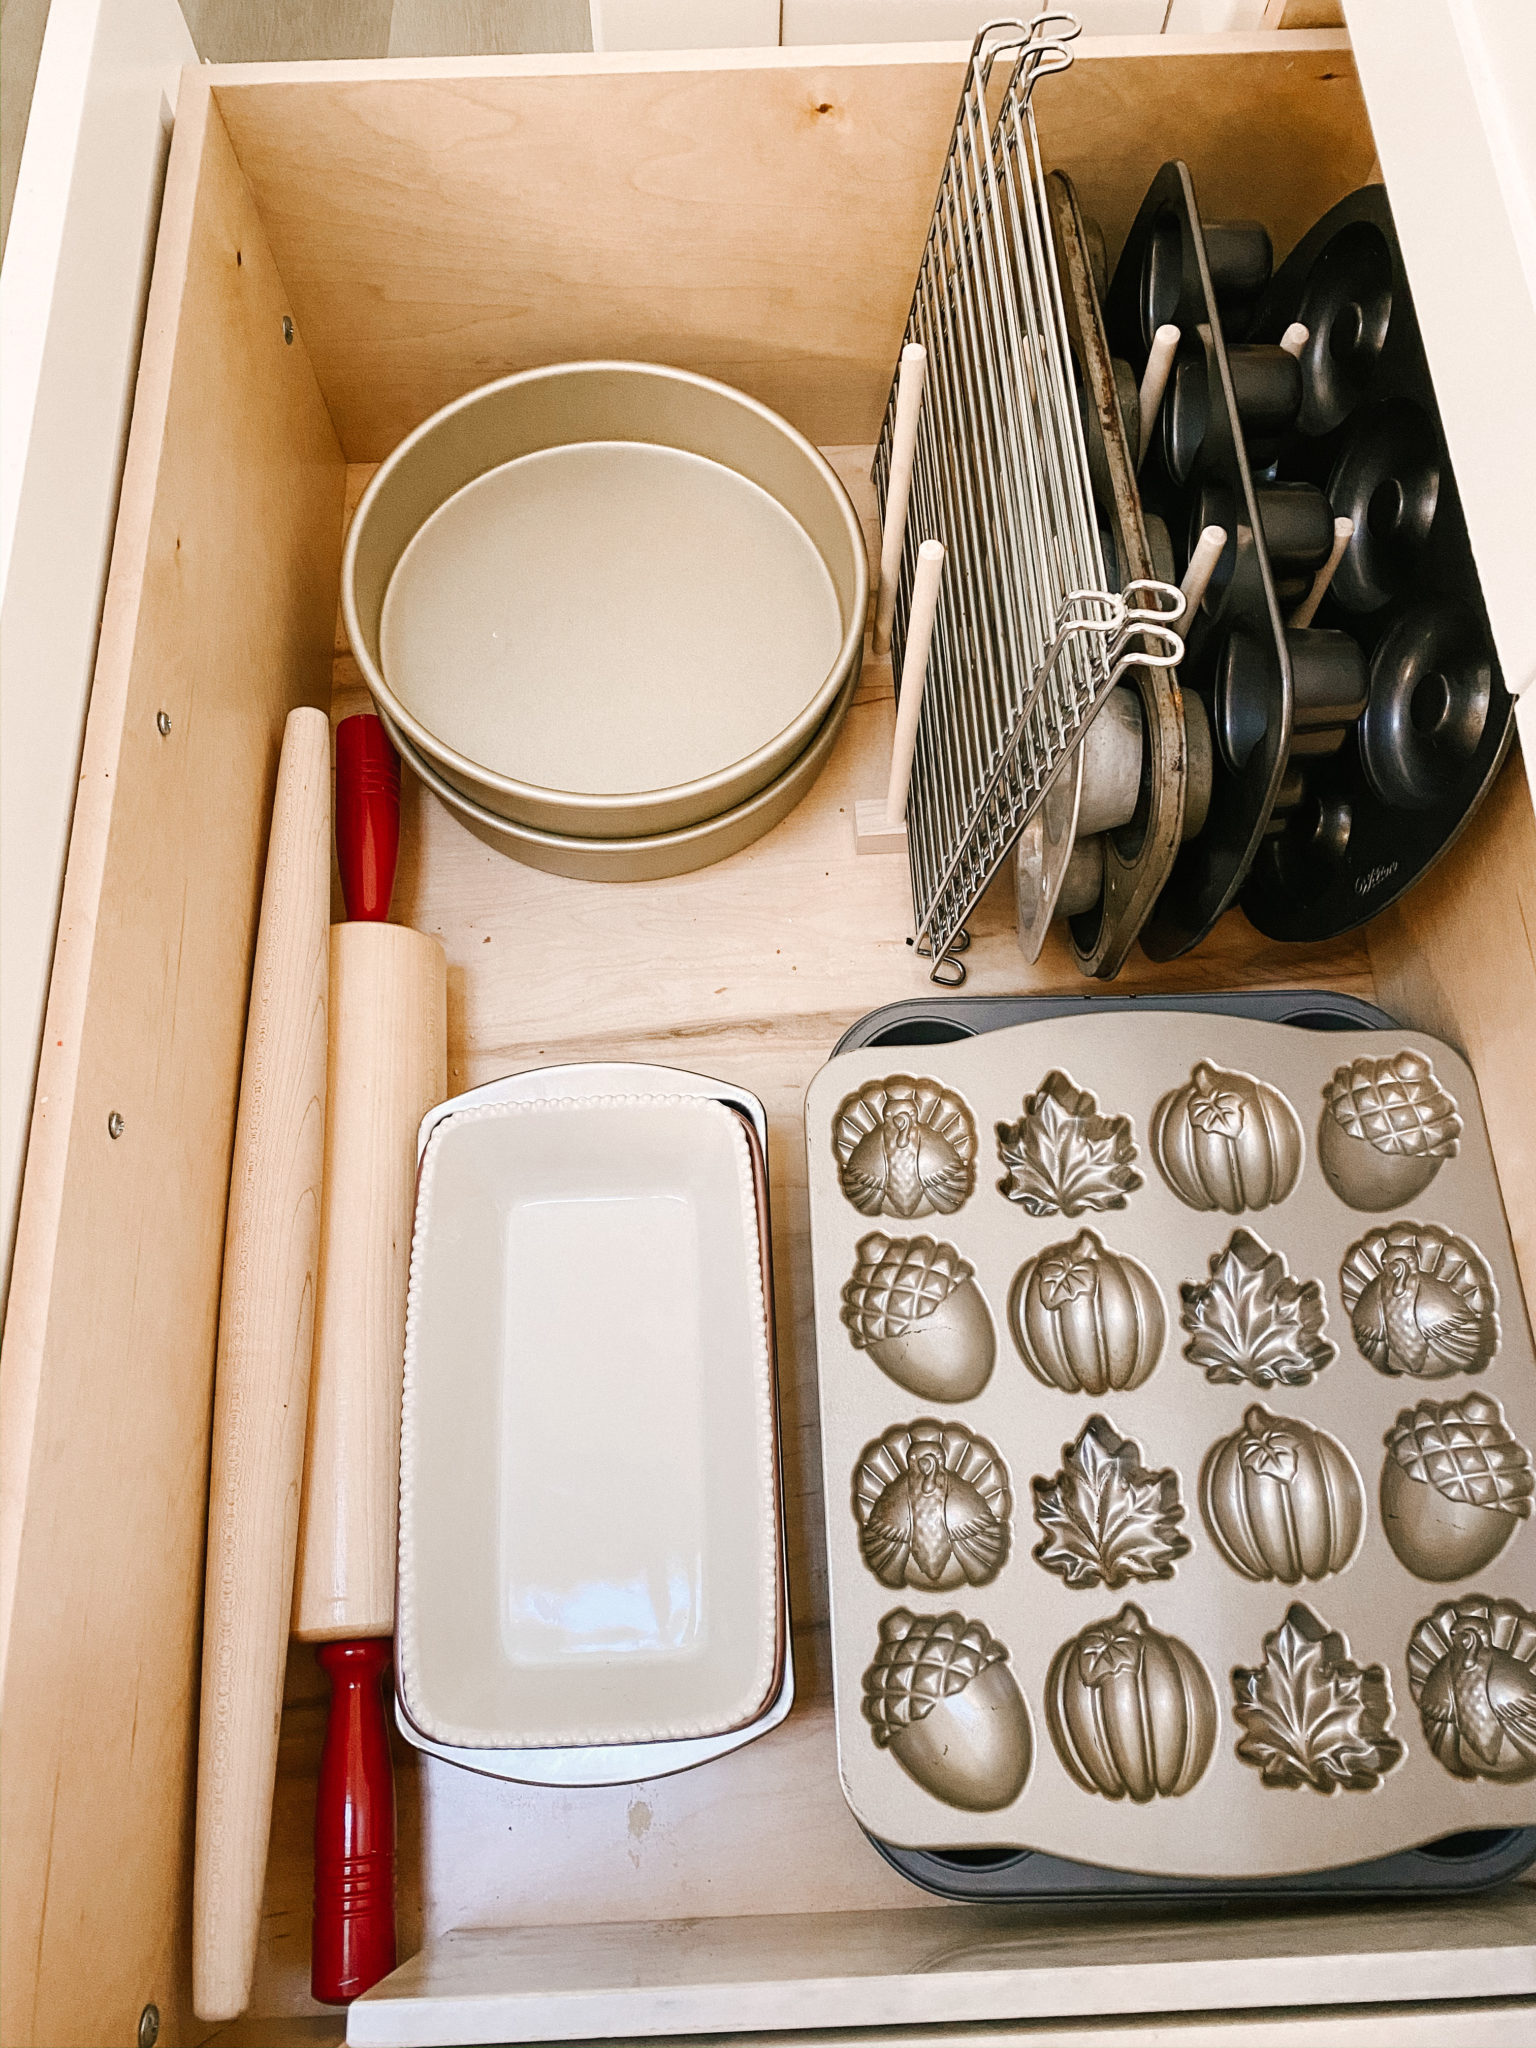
column 1106, row 1519
column 1251, row 1321
column 1310, row 1715
column 1062, row 1157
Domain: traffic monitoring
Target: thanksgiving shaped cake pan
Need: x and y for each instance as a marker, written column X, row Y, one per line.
column 1178, row 1425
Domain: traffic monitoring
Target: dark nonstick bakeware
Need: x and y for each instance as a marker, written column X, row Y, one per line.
column 1370, row 818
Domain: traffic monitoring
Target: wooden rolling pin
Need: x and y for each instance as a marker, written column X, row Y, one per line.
column 261, row 1395
column 388, row 1066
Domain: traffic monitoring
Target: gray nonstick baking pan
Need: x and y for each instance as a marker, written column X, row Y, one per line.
column 606, row 600
column 1469, row 1858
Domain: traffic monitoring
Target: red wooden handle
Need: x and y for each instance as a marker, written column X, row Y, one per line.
column 367, row 815
column 354, row 1941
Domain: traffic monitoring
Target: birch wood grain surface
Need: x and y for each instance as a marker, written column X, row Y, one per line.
column 387, row 1067
column 261, row 1391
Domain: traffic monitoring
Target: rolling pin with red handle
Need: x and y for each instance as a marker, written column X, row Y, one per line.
column 388, row 1066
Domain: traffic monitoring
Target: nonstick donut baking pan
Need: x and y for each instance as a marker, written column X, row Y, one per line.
column 1177, row 1403
column 1375, row 814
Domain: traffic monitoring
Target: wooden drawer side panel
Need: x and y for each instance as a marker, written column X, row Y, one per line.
column 219, row 617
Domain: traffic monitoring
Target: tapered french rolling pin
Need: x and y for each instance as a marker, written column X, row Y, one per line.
column 388, row 1066
column 261, row 1393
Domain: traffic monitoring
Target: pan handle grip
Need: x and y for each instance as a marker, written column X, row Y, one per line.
column 367, row 815
column 354, row 1938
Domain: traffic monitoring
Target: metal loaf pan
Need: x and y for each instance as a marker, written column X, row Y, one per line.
column 1230, row 1815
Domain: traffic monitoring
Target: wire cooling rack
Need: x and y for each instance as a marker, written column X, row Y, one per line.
column 1027, row 641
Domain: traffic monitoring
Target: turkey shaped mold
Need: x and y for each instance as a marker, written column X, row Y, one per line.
column 905, row 1147
column 932, row 1502
column 913, row 1304
column 1106, row 1519
column 1472, row 1667
column 1421, row 1301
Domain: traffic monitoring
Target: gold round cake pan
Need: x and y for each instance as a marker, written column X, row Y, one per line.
column 644, row 858
column 606, row 600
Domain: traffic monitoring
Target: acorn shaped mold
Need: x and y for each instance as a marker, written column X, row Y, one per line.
column 1386, row 1130
column 1455, row 1485
column 1282, row 1499
column 1131, row 1711
column 1472, row 1669
column 1421, row 1301
column 932, row 1502
column 905, row 1147
column 1226, row 1141
column 914, row 1306
column 1086, row 1319
column 941, row 1698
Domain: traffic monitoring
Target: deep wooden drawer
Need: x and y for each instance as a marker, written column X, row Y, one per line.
column 343, row 248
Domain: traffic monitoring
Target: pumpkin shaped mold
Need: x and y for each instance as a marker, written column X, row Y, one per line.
column 1131, row 1711
column 913, row 1304
column 905, row 1147
column 1386, row 1130
column 1421, row 1301
column 941, row 1698
column 1456, row 1483
column 1086, row 1319
column 1282, row 1499
column 1472, row 1669
column 1226, row 1141
column 932, row 1502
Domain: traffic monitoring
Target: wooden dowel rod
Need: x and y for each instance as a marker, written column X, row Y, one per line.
column 909, row 401
column 1202, row 566
column 1295, row 338
column 261, row 1393
column 1154, row 382
column 1306, row 611
column 914, row 674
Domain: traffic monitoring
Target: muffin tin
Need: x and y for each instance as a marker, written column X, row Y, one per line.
column 1369, row 818
column 1145, row 1592
column 1271, row 693
column 1101, row 845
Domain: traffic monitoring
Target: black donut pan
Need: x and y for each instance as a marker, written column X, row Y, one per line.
column 1471, row 1861
column 1378, row 812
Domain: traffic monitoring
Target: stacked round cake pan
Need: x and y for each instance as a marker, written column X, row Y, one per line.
column 612, row 613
